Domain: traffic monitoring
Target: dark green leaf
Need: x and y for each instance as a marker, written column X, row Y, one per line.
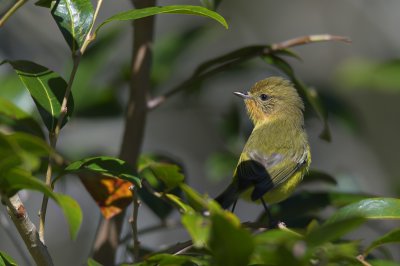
column 92, row 262
column 220, row 165
column 22, row 120
column 74, row 19
column 16, row 179
column 195, row 200
column 104, row 165
column 317, row 176
column 151, row 11
column 44, row 3
column 198, row 227
column 332, row 231
column 6, row 260
column 173, row 260
column 373, row 208
column 229, row 244
column 47, row 89
column 391, row 237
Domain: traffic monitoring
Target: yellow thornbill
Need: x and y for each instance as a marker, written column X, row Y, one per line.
column 277, row 155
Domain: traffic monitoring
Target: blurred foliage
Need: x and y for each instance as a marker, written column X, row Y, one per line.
column 317, row 223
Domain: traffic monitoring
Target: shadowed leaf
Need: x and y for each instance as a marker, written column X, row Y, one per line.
column 391, row 237
column 47, row 89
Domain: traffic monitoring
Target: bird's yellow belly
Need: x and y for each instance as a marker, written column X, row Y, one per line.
column 280, row 192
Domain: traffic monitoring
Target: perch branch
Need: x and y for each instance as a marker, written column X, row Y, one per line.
column 11, row 11
column 133, row 222
column 270, row 49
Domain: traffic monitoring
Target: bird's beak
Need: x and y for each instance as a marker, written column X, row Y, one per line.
column 242, row 95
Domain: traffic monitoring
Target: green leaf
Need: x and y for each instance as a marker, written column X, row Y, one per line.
column 104, row 165
column 383, row 263
column 373, row 208
column 92, row 262
column 151, row 11
column 22, row 120
column 47, row 89
column 220, row 165
column 6, row 260
column 198, row 227
column 74, row 18
column 318, row 176
column 22, row 150
column 179, row 204
column 44, row 3
column 229, row 244
column 332, row 231
column 172, row 260
column 391, row 237
column 16, row 179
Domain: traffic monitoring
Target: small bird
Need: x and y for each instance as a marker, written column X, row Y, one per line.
column 277, row 154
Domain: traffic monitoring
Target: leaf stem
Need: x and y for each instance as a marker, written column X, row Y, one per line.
column 53, row 137
column 133, row 222
column 11, row 11
column 214, row 67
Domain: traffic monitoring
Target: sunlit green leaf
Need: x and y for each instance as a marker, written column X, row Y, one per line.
column 92, row 262
column 198, row 227
column 229, row 244
column 6, row 260
column 16, row 179
column 74, row 18
column 373, row 208
column 104, row 165
column 391, row 237
column 178, row 203
column 21, row 119
column 151, row 11
column 47, row 89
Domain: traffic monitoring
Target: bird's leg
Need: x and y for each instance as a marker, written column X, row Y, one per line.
column 234, row 206
column 270, row 221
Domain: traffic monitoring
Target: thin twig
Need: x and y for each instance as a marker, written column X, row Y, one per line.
column 27, row 230
column 53, row 136
column 11, row 11
column 270, row 49
column 133, row 222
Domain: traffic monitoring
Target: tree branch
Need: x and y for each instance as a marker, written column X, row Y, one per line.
column 214, row 66
column 133, row 222
column 28, row 231
column 135, row 121
column 11, row 11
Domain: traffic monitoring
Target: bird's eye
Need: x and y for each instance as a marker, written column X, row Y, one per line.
column 264, row 97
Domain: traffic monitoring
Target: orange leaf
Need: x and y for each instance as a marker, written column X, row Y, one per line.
column 111, row 195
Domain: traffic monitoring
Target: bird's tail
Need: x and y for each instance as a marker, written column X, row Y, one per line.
column 229, row 196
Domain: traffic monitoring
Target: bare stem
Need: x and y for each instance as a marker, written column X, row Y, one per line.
column 157, row 101
column 27, row 230
column 53, row 136
column 133, row 222
column 135, row 121
column 11, row 11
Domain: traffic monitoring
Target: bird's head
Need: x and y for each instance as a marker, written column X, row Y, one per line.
column 273, row 98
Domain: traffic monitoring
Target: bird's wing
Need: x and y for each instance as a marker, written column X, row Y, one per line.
column 266, row 171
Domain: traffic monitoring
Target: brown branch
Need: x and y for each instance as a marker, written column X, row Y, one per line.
column 270, row 49
column 28, row 231
column 135, row 121
column 11, row 11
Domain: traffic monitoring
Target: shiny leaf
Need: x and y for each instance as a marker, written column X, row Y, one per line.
column 74, row 18
column 151, row 11
column 372, row 208
column 47, row 89
column 104, row 165
column 16, row 179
